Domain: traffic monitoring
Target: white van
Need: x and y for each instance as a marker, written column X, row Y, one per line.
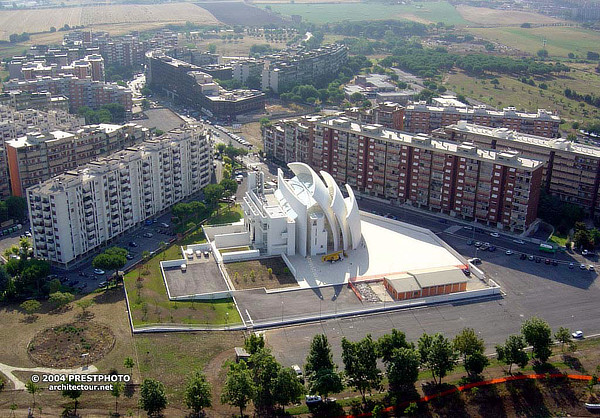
column 183, row 268
column 198, row 253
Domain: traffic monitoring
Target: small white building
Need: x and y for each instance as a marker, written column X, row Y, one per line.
column 304, row 215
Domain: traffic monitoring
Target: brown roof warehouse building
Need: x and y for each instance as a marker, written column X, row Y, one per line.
column 431, row 282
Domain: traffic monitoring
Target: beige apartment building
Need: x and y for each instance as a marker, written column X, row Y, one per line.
column 75, row 213
column 36, row 157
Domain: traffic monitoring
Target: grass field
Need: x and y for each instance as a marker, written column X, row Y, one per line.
column 426, row 12
column 512, row 92
column 148, row 296
column 559, row 40
column 497, row 17
column 39, row 20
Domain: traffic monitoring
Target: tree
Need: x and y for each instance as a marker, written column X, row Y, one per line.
column 253, row 343
column 84, row 304
column 264, row 123
column 72, row 393
column 32, row 388
column 538, row 334
column 513, row 352
column 495, row 82
column 239, row 388
column 153, row 398
column 113, row 258
column 264, row 370
column 230, row 187
column 563, row 336
column 583, row 239
column 128, row 362
column 475, row 363
column 542, row 53
column 320, row 368
column 212, row 48
column 60, row 299
column 288, row 388
column 468, row 344
column 438, row 354
column 197, row 394
column 360, row 365
column 117, row 390
column 16, row 207
column 387, row 343
column 30, row 306
column 212, row 194
column 403, row 368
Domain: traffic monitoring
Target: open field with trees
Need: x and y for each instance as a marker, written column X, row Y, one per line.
column 560, row 41
column 546, row 93
column 427, row 12
column 41, row 20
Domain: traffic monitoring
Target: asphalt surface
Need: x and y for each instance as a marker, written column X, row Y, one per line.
column 560, row 295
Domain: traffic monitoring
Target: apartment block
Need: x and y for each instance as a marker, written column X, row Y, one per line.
column 499, row 188
column 91, row 66
column 73, row 214
column 388, row 114
column 291, row 140
column 420, row 117
column 19, row 100
column 290, row 67
column 37, row 157
column 190, row 85
column 80, row 92
column 571, row 170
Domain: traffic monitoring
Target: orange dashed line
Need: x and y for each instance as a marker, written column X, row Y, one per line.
column 477, row 384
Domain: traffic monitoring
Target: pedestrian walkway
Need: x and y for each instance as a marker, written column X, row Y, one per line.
column 19, row 385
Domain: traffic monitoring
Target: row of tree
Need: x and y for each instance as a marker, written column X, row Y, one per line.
column 113, row 112
column 588, row 98
column 262, row 379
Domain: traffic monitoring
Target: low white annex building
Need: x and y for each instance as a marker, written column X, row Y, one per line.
column 305, row 215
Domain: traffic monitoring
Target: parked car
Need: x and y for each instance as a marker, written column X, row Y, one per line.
column 133, row 244
column 495, row 234
column 478, row 244
column 582, row 266
column 468, row 228
column 129, row 256
column 538, row 259
column 102, row 284
column 554, row 263
column 591, row 268
column 518, row 241
column 148, row 235
column 508, row 252
column 531, row 258
column 313, row 399
column 571, row 265
column 470, row 242
column 475, row 261
column 577, row 334
column 164, row 225
column 27, row 234
column 98, row 271
column 547, row 261
column 492, row 248
column 523, row 257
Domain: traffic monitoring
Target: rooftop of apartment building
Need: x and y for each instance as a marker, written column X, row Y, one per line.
column 445, row 105
column 504, row 133
column 509, row 158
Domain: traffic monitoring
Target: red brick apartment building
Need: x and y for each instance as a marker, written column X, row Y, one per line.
column 420, row 117
column 571, row 170
column 500, row 188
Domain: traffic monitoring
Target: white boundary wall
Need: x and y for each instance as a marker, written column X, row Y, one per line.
column 240, row 255
column 236, row 239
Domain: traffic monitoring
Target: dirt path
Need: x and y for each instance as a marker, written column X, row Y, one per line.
column 214, row 374
column 19, row 385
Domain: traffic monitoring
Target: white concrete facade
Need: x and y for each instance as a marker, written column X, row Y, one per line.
column 305, row 215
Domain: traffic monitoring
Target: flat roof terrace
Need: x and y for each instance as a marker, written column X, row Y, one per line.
column 388, row 247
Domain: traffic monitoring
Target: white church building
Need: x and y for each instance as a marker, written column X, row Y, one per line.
column 305, row 215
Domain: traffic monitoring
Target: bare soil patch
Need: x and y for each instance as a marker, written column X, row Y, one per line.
column 498, row 17
column 255, row 273
column 61, row 346
column 241, row 14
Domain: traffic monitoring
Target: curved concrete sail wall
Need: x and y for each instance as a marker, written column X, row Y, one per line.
column 320, row 193
column 301, row 210
column 353, row 218
column 338, row 206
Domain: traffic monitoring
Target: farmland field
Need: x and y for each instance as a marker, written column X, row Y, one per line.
column 559, row 40
column 39, row 20
column 241, row 14
column 497, row 17
column 429, row 12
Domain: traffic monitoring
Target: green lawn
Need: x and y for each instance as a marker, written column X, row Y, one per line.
column 559, row 40
column 425, row 12
column 559, row 239
column 148, row 296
